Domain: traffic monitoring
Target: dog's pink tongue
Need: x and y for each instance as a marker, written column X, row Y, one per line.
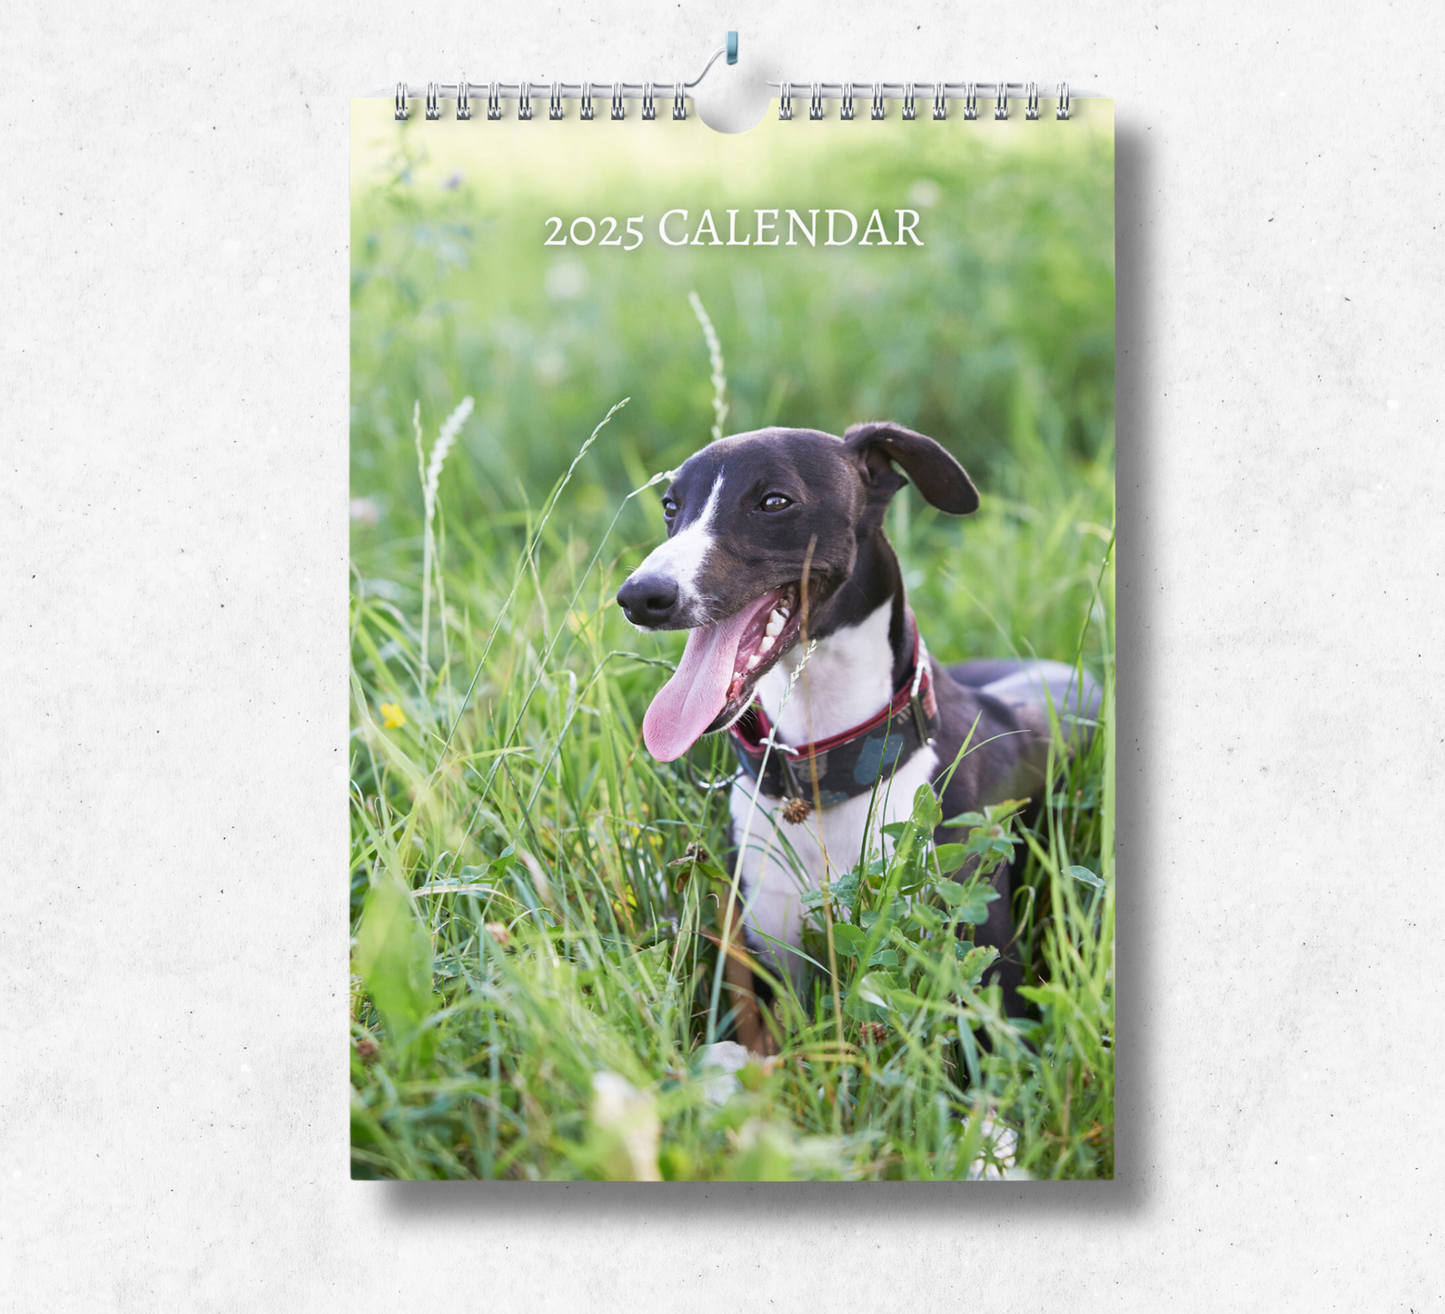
column 689, row 702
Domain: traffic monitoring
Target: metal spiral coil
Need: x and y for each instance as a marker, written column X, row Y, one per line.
column 819, row 93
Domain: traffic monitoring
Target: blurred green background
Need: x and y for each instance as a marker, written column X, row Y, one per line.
column 996, row 337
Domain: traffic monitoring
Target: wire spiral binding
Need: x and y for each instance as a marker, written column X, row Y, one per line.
column 819, row 92
column 908, row 93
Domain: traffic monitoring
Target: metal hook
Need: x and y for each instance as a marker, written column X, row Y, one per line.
column 433, row 108
column 815, row 106
column 401, row 101
column 1000, row 110
column 1063, row 111
column 586, row 114
column 554, row 107
column 846, row 111
column 649, row 110
column 679, row 102
column 464, row 98
column 619, row 110
column 940, row 100
column 785, row 101
column 1032, row 112
column 524, row 100
column 878, row 110
column 908, row 112
column 494, row 101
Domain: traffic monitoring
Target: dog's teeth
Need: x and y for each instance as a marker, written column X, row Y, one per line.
column 754, row 660
column 775, row 625
column 767, row 643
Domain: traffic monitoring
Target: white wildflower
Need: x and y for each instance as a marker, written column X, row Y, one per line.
column 621, row 1111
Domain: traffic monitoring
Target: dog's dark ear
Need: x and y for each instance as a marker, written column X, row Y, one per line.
column 941, row 480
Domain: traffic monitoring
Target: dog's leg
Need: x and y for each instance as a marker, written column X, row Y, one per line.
column 741, row 992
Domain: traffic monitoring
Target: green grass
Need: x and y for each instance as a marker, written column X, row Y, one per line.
column 534, row 961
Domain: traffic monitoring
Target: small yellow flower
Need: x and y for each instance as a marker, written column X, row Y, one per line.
column 392, row 717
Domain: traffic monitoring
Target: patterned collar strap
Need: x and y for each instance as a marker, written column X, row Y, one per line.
column 848, row 764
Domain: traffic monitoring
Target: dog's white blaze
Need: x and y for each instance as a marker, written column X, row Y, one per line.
column 773, row 883
column 681, row 557
column 848, row 678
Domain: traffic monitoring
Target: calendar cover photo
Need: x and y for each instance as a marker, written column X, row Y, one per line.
column 732, row 647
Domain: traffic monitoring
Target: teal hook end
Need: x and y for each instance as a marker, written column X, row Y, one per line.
column 732, row 47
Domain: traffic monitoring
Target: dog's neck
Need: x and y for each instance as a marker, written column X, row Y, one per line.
column 863, row 651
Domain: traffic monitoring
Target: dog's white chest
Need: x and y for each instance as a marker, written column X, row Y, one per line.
column 782, row 860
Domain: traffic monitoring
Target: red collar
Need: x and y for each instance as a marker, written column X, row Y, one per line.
column 751, row 731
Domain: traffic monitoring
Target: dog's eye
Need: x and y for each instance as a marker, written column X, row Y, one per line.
column 776, row 502
column 669, row 507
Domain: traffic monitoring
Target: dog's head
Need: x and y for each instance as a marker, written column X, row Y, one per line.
column 748, row 517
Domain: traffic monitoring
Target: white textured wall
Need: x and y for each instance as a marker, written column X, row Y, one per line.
column 173, row 430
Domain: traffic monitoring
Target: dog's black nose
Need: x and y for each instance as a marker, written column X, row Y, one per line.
column 648, row 599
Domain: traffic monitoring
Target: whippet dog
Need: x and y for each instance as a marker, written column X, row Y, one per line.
column 872, row 715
